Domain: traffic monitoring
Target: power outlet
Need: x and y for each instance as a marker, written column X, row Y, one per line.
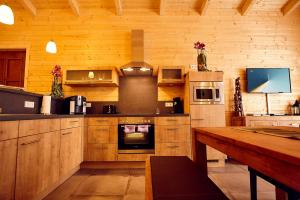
column 169, row 104
column 88, row 105
column 29, row 104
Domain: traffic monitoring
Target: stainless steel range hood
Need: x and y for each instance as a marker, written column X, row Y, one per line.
column 137, row 67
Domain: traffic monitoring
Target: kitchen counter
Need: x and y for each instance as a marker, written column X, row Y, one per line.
column 136, row 115
column 13, row 117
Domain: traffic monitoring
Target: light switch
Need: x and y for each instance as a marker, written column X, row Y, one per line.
column 29, row 104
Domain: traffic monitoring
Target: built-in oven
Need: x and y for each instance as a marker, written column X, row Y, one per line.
column 136, row 135
column 206, row 93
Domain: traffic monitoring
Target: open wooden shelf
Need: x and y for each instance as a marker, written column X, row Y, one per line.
column 105, row 77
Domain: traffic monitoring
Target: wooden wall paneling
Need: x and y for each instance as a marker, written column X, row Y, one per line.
column 260, row 39
column 290, row 6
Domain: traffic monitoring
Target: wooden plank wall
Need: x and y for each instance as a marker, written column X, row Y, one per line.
column 100, row 38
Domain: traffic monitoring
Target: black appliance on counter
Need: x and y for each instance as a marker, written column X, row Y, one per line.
column 75, row 105
column 136, row 135
column 177, row 105
column 109, row 109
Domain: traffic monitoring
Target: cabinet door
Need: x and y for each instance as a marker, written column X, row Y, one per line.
column 102, row 134
column 50, row 159
column 70, row 150
column 207, row 116
column 172, row 133
column 66, row 154
column 102, row 152
column 171, row 149
column 29, row 162
column 8, row 130
column 8, row 155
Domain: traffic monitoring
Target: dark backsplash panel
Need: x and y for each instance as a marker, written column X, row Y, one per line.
column 138, row 95
column 97, row 106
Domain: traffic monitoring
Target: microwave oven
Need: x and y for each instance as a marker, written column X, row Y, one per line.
column 206, row 93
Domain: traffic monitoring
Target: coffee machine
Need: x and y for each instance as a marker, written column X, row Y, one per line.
column 177, row 105
column 75, row 105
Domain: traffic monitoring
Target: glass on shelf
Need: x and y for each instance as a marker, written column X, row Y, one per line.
column 88, row 75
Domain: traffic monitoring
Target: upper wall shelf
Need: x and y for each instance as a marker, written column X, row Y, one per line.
column 92, row 77
column 170, row 76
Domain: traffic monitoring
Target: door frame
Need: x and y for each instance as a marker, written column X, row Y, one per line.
column 25, row 47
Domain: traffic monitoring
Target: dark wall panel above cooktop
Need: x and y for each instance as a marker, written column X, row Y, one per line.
column 138, row 95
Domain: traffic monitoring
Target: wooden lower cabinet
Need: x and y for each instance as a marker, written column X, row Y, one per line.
column 171, row 149
column 37, row 165
column 102, row 152
column 172, row 133
column 8, row 154
column 70, row 149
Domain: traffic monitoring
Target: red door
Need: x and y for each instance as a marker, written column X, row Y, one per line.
column 12, row 67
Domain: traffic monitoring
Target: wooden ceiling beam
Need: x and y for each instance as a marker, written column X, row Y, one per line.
column 75, row 7
column 28, row 5
column 203, row 7
column 290, row 6
column 245, row 6
column 119, row 7
column 162, row 6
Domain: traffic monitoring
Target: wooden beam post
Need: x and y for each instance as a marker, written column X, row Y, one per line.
column 119, row 7
column 162, row 6
column 290, row 6
column 28, row 5
column 203, row 7
column 75, row 7
column 245, row 6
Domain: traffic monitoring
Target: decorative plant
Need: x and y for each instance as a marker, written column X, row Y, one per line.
column 201, row 58
column 56, row 90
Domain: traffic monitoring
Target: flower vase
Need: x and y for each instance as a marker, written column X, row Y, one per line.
column 201, row 60
column 56, row 90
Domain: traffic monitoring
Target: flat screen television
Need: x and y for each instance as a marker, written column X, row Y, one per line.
column 268, row 80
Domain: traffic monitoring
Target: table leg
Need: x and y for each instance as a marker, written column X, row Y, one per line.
column 280, row 194
column 199, row 153
column 253, row 185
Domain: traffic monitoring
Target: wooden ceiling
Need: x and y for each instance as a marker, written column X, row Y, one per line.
column 162, row 7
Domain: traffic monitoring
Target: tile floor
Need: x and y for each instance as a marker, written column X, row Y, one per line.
column 233, row 179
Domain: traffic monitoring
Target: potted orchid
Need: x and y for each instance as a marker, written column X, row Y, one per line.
column 201, row 58
column 56, row 90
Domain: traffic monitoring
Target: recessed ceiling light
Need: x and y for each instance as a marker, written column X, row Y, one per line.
column 129, row 69
column 144, row 69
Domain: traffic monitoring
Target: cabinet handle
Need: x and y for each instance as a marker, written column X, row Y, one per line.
column 67, row 133
column 198, row 119
column 172, row 129
column 173, row 147
column 102, row 129
column 32, row 142
column 172, row 120
column 102, row 120
column 74, row 121
column 104, row 148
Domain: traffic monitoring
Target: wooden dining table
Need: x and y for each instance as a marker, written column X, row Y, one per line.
column 274, row 158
